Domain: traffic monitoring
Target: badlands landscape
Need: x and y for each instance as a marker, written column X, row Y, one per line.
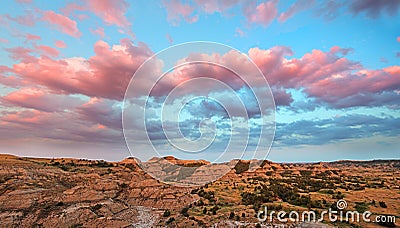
column 38, row 192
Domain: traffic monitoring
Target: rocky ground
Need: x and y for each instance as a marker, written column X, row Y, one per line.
column 83, row 193
column 74, row 193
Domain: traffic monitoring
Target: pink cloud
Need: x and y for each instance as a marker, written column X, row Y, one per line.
column 262, row 14
column 62, row 23
column 103, row 112
column 112, row 12
column 169, row 38
column 343, row 51
column 176, row 11
column 3, row 40
column 212, row 6
column 32, row 37
column 24, row 1
column 231, row 60
column 398, row 39
column 29, row 19
column 296, row 7
column 47, row 50
column 281, row 97
column 40, row 100
column 329, row 76
column 82, row 16
column 239, row 32
column 334, row 80
column 41, row 71
column 104, row 75
column 99, row 31
column 9, row 80
column 299, row 72
column 40, row 125
column 60, row 44
column 21, row 54
column 31, row 117
column 365, row 87
column 70, row 9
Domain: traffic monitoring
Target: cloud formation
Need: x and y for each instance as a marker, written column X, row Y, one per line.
column 28, row 19
column 47, row 50
column 104, row 75
column 103, row 112
column 296, row 7
column 342, row 128
column 374, row 8
column 220, row 6
column 62, row 23
column 32, row 37
column 177, row 10
column 28, row 125
column 111, row 12
column 99, row 31
column 263, row 13
column 60, row 44
column 40, row 100
column 83, row 100
column 329, row 76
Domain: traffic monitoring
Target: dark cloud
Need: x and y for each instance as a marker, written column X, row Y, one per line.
column 282, row 97
column 375, row 8
column 329, row 9
column 61, row 126
column 319, row 132
column 102, row 111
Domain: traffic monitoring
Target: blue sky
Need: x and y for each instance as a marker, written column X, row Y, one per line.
column 332, row 67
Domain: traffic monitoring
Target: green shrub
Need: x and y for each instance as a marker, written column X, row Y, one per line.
column 361, row 207
column 171, row 219
column 167, row 213
column 184, row 211
column 214, row 209
column 382, row 204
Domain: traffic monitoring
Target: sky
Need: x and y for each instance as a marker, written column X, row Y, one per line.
column 332, row 68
